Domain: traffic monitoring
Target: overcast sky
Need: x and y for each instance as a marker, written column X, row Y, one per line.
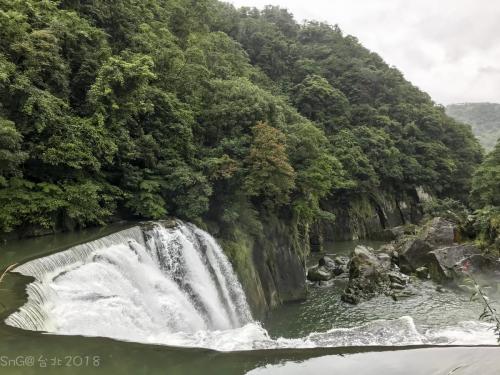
column 448, row 48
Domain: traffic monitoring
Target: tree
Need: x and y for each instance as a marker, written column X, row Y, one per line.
column 11, row 155
column 270, row 175
column 486, row 182
column 317, row 100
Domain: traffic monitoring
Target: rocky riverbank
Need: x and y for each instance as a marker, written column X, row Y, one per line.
column 432, row 251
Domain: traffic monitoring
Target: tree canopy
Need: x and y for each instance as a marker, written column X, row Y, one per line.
column 147, row 108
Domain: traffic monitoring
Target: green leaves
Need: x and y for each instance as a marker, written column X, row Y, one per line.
column 120, row 88
column 11, row 155
column 45, row 205
column 270, row 175
column 486, row 181
column 199, row 110
column 317, row 100
column 147, row 202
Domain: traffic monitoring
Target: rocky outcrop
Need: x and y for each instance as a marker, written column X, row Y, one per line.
column 439, row 231
column 445, row 262
column 328, row 268
column 414, row 250
column 270, row 264
column 434, row 253
column 371, row 274
column 371, row 216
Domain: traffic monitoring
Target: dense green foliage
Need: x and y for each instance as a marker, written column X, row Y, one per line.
column 196, row 109
column 484, row 118
column 480, row 221
column 485, row 197
column 486, row 181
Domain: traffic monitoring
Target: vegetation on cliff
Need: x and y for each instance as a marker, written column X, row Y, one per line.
column 199, row 110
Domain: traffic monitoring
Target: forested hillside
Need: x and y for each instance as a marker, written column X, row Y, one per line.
column 195, row 109
column 483, row 117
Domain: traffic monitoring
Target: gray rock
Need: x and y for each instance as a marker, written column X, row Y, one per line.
column 439, row 231
column 385, row 260
column 350, row 296
column 398, row 277
column 332, row 266
column 397, row 286
column 443, row 261
column 343, row 263
column 371, row 274
column 327, row 262
column 342, row 260
column 414, row 251
column 387, row 248
column 422, row 273
column 319, row 274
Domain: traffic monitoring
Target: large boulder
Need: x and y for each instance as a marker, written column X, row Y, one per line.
column 364, row 263
column 439, row 231
column 371, row 274
column 442, row 261
column 414, row 250
column 413, row 254
column 454, row 263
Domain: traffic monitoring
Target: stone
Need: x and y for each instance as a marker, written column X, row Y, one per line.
column 350, row 297
column 398, row 277
column 371, row 274
column 439, row 231
column 422, row 273
column 343, row 263
column 319, row 273
column 395, row 257
column 397, row 286
column 414, row 250
column 342, row 260
column 332, row 266
column 387, row 248
column 327, row 262
column 443, row 261
column 385, row 260
column 414, row 253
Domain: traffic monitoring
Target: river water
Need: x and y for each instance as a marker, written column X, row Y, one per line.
column 170, row 298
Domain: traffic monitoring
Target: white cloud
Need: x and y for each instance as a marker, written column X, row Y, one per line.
column 448, row 48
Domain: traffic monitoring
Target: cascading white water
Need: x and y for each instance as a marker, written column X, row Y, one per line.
column 175, row 286
column 135, row 285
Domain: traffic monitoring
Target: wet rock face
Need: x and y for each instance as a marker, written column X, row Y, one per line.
column 433, row 253
column 371, row 274
column 414, row 250
column 439, row 231
column 442, row 261
column 454, row 263
column 413, row 254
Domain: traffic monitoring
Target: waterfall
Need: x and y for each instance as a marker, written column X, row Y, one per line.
column 142, row 285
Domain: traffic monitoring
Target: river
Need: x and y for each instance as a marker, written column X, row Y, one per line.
column 122, row 287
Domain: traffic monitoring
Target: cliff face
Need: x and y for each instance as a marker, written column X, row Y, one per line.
column 271, row 265
column 367, row 216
